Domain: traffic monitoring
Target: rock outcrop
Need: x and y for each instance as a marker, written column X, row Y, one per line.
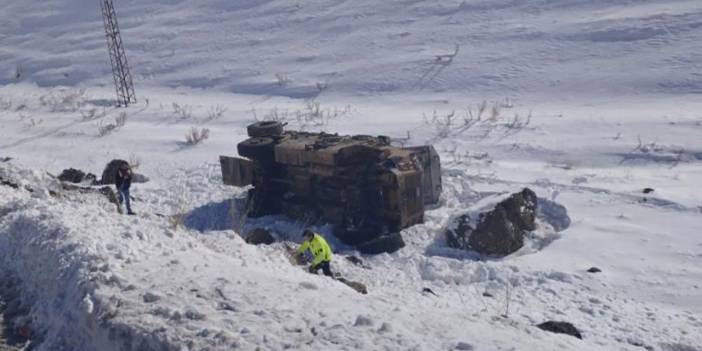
column 108, row 174
column 499, row 231
column 260, row 236
column 77, row 176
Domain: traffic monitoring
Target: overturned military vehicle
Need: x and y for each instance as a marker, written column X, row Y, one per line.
column 368, row 189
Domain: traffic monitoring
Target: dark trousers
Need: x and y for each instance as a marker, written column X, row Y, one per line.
column 123, row 195
column 324, row 266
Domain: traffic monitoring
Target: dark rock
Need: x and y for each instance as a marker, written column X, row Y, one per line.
column 594, row 270
column 260, row 236
column 5, row 159
column 457, row 236
column 464, row 346
column 385, row 243
column 560, row 328
column 496, row 234
column 363, row 321
column 521, row 209
column 429, row 291
column 648, row 190
column 9, row 183
column 150, row 297
column 108, row 174
column 500, row 231
column 77, row 176
column 487, row 294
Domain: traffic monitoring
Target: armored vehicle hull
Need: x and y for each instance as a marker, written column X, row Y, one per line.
column 368, row 189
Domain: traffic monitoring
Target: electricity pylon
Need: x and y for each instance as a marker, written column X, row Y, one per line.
column 120, row 69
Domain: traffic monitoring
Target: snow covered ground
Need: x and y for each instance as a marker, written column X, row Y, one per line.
column 587, row 103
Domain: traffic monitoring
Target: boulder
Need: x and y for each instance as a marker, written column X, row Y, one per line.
column 496, row 234
column 520, row 209
column 457, row 235
column 260, row 236
column 594, row 270
column 77, row 176
column 499, row 231
column 108, row 174
column 560, row 328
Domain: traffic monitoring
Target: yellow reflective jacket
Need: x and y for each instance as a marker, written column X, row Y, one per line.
column 319, row 249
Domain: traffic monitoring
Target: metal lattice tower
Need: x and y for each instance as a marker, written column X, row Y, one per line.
column 120, row 69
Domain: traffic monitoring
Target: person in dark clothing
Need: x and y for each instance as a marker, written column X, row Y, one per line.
column 123, row 180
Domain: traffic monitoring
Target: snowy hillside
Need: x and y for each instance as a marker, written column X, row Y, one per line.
column 585, row 102
column 506, row 47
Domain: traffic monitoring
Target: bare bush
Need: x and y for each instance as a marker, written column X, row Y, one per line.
column 443, row 124
column 120, row 121
column 495, row 112
column 215, row 112
column 282, row 79
column 517, row 123
column 653, row 152
column 275, row 114
column 89, row 114
column 92, row 114
column 196, row 136
column 401, row 141
column 321, row 87
column 448, row 58
column 506, row 103
column 182, row 111
column 134, row 161
column 484, row 118
column 312, row 115
column 32, row 123
column 177, row 219
column 466, row 157
column 63, row 100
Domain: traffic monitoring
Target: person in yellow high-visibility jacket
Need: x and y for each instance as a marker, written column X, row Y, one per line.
column 321, row 252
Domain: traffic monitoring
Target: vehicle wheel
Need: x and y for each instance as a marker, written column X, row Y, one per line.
column 387, row 243
column 258, row 149
column 265, row 129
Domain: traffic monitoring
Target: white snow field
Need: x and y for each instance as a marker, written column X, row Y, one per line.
column 587, row 102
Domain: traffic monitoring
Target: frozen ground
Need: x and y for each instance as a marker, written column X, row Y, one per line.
column 594, row 101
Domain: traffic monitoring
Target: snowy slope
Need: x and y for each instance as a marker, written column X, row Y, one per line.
column 594, row 101
column 507, row 47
